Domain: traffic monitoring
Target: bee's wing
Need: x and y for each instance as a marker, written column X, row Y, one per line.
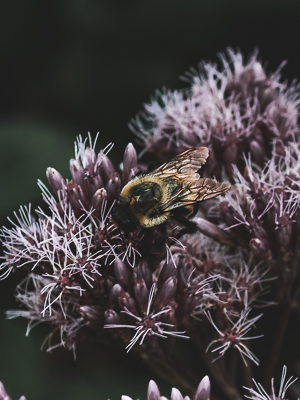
column 190, row 160
column 185, row 187
column 207, row 188
column 199, row 190
column 189, row 187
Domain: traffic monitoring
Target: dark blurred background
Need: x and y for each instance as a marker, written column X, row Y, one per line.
column 72, row 66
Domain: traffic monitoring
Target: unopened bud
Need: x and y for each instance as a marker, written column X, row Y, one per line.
column 203, row 390
column 126, row 301
column 92, row 184
column 167, row 270
column 153, row 391
column 143, row 271
column 121, row 273
column 97, row 199
column 284, row 235
column 259, row 247
column 55, row 180
column 115, row 293
column 90, row 312
column 129, row 162
column 106, row 167
column 76, row 196
column 176, row 395
column 141, row 293
column 77, row 171
column 113, row 187
column 89, row 156
column 214, row 232
column 257, row 152
column 166, row 291
column 111, row 318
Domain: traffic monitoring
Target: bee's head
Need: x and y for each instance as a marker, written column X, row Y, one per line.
column 122, row 217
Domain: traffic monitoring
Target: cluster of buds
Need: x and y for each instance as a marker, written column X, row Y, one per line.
column 202, row 392
column 219, row 290
column 265, row 207
column 199, row 285
column 235, row 110
column 262, row 213
column 153, row 393
column 76, row 256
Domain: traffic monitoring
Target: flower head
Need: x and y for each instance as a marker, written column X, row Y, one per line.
column 74, row 254
column 263, row 210
column 234, row 110
column 261, row 394
column 150, row 324
column 234, row 335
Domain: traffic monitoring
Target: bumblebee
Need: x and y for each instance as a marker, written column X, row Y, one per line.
column 172, row 190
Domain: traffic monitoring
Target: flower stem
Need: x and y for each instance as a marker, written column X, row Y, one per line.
column 171, row 371
column 217, row 369
column 276, row 347
column 247, row 372
column 222, row 378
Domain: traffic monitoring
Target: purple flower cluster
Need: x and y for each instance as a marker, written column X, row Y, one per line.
column 89, row 279
column 249, row 121
column 84, row 274
column 233, row 110
column 265, row 206
column 261, row 215
column 79, row 264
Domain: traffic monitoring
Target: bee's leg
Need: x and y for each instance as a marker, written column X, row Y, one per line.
column 195, row 210
column 160, row 242
column 189, row 226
